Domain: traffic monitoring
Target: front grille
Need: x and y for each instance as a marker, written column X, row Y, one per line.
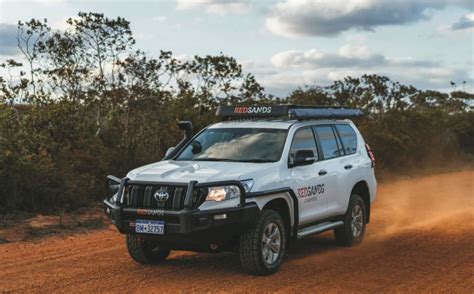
column 142, row 196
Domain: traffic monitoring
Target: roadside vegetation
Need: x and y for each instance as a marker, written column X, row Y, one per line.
column 85, row 102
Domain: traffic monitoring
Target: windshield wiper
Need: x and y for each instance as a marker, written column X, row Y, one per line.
column 256, row 160
column 211, row 159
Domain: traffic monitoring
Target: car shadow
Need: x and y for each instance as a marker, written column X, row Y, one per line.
column 316, row 244
column 228, row 262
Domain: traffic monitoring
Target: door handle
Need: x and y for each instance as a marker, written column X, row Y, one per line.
column 322, row 172
column 349, row 166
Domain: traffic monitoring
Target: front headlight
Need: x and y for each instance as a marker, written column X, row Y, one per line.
column 222, row 193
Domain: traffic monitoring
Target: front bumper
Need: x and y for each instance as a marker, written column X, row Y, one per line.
column 182, row 222
column 188, row 229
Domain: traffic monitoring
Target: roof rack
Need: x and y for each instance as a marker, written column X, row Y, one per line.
column 298, row 112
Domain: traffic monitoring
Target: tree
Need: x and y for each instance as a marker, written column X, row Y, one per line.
column 87, row 103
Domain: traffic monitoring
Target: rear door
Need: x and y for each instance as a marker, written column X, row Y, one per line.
column 350, row 166
column 329, row 166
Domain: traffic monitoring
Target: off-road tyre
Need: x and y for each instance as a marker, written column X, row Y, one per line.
column 251, row 246
column 345, row 234
column 145, row 251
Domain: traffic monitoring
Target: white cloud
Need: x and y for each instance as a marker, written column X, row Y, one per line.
column 292, row 69
column 220, row 7
column 464, row 23
column 258, row 68
column 360, row 52
column 348, row 56
column 328, row 18
column 61, row 24
column 284, row 81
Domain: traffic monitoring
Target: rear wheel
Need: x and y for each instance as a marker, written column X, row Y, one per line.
column 353, row 230
column 262, row 247
column 146, row 251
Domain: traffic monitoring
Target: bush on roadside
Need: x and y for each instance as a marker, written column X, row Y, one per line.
column 97, row 107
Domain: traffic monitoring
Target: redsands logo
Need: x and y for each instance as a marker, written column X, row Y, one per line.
column 142, row 211
column 253, row 110
column 310, row 191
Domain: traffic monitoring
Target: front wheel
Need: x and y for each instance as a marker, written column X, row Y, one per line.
column 353, row 230
column 146, row 251
column 262, row 247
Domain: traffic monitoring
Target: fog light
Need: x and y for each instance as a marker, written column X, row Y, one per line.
column 220, row 216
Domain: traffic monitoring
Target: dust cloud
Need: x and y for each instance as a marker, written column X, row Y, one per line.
column 424, row 203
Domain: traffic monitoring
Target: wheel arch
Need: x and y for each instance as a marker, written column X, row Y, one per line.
column 361, row 188
column 283, row 201
column 280, row 205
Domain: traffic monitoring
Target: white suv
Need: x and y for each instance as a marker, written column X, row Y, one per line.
column 266, row 176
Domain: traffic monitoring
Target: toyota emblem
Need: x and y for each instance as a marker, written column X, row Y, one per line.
column 161, row 196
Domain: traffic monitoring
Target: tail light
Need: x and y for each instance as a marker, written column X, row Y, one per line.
column 370, row 154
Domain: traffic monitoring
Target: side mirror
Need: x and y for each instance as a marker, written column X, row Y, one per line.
column 169, row 151
column 196, row 147
column 303, row 157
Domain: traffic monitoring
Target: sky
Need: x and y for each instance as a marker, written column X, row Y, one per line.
column 288, row 44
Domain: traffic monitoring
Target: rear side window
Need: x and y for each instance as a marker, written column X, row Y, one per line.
column 327, row 141
column 348, row 138
column 303, row 140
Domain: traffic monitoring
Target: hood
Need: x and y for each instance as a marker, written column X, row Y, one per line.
column 201, row 171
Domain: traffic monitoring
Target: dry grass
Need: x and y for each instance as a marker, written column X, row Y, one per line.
column 18, row 227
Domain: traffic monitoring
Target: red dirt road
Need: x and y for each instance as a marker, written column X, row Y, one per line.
column 421, row 239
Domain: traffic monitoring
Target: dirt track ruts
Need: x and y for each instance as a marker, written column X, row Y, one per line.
column 421, row 239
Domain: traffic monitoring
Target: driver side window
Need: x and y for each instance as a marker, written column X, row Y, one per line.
column 303, row 140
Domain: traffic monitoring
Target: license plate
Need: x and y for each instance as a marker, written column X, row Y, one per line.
column 150, row 227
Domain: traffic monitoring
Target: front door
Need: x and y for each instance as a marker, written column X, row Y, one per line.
column 308, row 185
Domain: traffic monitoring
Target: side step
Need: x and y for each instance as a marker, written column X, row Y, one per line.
column 319, row 228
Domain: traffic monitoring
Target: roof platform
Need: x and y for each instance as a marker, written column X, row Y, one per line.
column 287, row 111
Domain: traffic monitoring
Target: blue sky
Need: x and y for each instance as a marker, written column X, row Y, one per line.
column 291, row 43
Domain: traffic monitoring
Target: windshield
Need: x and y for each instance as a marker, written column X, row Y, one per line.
column 239, row 144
